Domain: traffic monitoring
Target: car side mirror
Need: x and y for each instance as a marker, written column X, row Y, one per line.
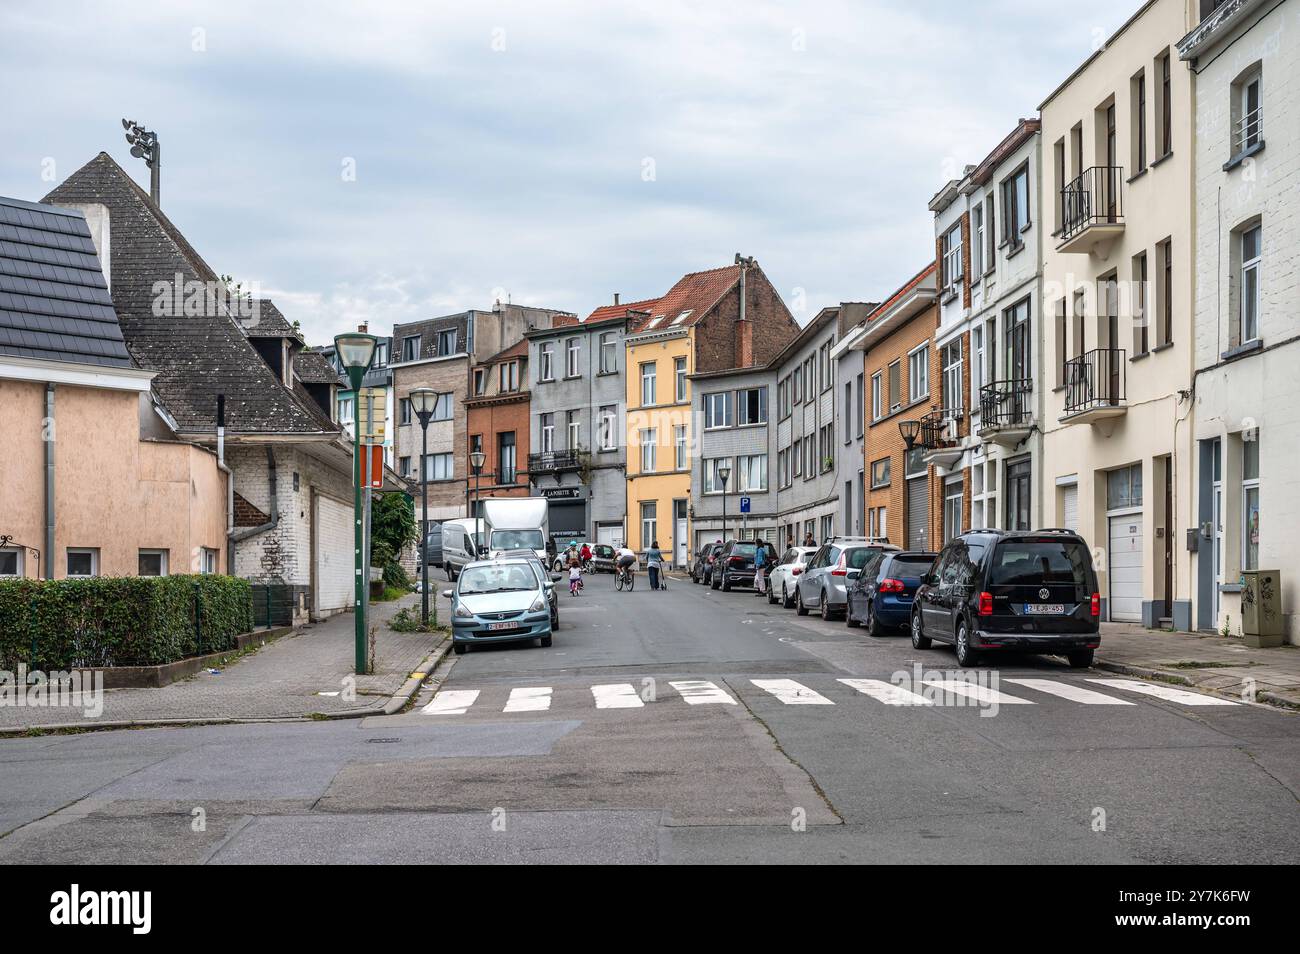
column 447, row 593
column 555, row 578
column 549, row 586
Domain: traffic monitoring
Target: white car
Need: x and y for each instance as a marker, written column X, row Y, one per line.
column 781, row 578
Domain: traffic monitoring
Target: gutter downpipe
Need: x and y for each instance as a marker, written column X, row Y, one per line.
column 237, row 536
column 49, row 479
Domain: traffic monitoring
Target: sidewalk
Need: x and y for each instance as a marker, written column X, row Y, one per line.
column 284, row 679
column 1213, row 663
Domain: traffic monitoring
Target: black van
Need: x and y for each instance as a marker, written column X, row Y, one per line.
column 1030, row 591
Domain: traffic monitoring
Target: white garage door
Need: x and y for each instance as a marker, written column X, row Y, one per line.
column 1070, row 507
column 610, row 535
column 1125, row 600
column 332, row 560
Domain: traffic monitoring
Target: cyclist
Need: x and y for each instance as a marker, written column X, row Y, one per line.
column 573, row 560
column 625, row 561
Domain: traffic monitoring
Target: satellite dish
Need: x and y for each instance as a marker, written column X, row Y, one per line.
column 137, row 152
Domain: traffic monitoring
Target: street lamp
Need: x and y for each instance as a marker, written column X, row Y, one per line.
column 909, row 430
column 724, row 472
column 476, row 460
column 423, row 401
column 355, row 351
column 144, row 145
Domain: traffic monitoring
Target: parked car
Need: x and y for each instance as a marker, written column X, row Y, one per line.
column 498, row 601
column 560, row 561
column 881, row 597
column 840, row 559
column 462, row 544
column 430, row 551
column 602, row 558
column 781, row 578
column 733, row 564
column 703, row 559
column 1026, row 591
column 551, row 593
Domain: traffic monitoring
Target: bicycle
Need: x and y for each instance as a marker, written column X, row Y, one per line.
column 624, row 576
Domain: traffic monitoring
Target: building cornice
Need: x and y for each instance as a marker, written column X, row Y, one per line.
column 15, row 368
column 1214, row 28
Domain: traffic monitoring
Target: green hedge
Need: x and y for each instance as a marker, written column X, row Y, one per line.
column 120, row 620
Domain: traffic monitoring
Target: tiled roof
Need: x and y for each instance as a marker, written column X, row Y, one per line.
column 312, row 367
column 197, row 357
column 517, row 350
column 267, row 321
column 54, row 302
column 693, row 296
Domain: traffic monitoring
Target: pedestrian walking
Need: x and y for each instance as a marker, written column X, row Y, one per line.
column 655, row 563
column 760, row 569
column 808, row 540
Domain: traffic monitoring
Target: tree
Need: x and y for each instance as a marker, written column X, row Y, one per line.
column 392, row 530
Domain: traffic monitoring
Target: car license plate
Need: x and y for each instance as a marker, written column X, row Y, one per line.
column 1044, row 609
column 501, row 625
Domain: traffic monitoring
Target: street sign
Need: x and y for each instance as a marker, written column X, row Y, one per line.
column 744, row 505
column 372, row 411
column 372, row 466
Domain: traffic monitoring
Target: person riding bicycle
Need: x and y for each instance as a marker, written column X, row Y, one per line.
column 625, row 561
column 586, row 554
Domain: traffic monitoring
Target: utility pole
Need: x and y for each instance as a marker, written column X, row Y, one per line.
column 144, row 145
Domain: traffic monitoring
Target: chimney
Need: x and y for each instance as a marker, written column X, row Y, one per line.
column 616, row 298
column 744, row 344
column 364, row 327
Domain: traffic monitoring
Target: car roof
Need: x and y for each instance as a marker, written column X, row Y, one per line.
column 927, row 554
column 499, row 561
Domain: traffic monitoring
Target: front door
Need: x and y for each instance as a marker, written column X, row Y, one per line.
column 679, row 533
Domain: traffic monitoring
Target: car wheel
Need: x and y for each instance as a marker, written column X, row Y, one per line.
column 873, row 625
column 460, row 648
column 798, row 602
column 824, row 607
column 1081, row 659
column 849, row 619
column 919, row 639
column 713, row 583
column 771, row 596
column 546, row 641
column 966, row 656
column 726, row 584
column 786, row 602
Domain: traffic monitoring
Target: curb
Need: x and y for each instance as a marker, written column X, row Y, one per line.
column 1164, row 675
column 393, row 704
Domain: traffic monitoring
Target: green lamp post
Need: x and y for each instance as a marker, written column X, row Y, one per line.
column 355, row 351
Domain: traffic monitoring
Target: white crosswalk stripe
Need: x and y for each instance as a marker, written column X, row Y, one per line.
column 619, row 695
column 1167, row 693
column 979, row 693
column 791, row 692
column 886, row 692
column 1066, row 690
column 529, row 699
column 451, row 702
column 699, row 692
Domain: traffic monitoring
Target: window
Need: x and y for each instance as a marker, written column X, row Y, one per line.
column 548, row 433
column 1138, row 93
column 345, row 410
column 880, row 473
column 573, row 426
column 608, row 354
column 1249, row 128
column 952, row 383
column 679, row 378
column 404, row 414
column 679, row 446
column 571, row 352
column 848, row 410
column 751, row 473
column 1248, row 311
column 1141, row 335
column 1166, row 108
column 404, row 466
column 683, row 316
column 918, row 373
column 796, row 380
column 783, row 397
column 796, row 459
column 446, row 342
column 1123, row 487
column 480, row 380
column 783, row 468
column 608, row 417
column 717, row 410
column 649, row 522
column 381, row 354
column 83, row 562
column 713, row 480
column 152, row 563
column 977, row 243
column 809, row 380
column 952, row 258
column 990, row 228
column 546, row 369
column 751, row 406
column 824, row 354
column 877, row 410
column 809, row 467
column 895, row 385
column 983, row 497
column 411, row 348
column 826, row 446
column 952, row 500
column 649, row 438
column 509, row 377
column 648, row 373
column 1017, row 496
column 207, row 561
column 1018, row 345
column 442, row 407
column 438, row 467
column 1165, row 333
column 507, row 462
column 1015, row 206
column 828, row 528
column 859, row 406
column 1061, row 348
column 1250, row 504
column 11, row 562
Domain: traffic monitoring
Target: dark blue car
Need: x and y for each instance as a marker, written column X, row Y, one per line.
column 881, row 597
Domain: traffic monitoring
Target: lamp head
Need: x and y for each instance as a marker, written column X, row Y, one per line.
column 355, row 350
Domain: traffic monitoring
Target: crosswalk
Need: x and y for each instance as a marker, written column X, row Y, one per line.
column 932, row 690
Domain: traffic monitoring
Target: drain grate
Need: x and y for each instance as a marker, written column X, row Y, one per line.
column 384, row 741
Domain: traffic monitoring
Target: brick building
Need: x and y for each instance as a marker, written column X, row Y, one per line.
column 497, row 413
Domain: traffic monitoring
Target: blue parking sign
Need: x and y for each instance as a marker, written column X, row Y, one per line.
column 744, row 505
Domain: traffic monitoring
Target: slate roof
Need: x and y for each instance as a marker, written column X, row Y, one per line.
column 197, row 357
column 268, row 321
column 312, row 367
column 54, row 302
column 696, row 293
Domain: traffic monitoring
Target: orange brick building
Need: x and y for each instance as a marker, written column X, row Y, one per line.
column 497, row 418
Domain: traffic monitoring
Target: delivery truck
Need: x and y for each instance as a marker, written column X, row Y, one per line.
column 516, row 523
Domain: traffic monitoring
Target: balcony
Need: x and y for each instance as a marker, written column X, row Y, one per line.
column 1094, row 386
column 1092, row 212
column 940, row 439
column 1006, row 411
column 554, row 462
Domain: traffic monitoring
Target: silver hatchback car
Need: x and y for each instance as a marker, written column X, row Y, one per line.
column 821, row 586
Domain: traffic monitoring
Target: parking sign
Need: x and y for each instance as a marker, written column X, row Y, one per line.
column 744, row 505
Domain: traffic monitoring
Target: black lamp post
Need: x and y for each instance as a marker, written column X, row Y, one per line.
column 355, row 351
column 724, row 473
column 909, row 430
column 476, row 460
column 423, row 401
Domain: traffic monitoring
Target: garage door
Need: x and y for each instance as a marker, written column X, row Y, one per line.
column 610, row 535
column 918, row 513
column 333, row 563
column 1070, row 506
column 1125, row 563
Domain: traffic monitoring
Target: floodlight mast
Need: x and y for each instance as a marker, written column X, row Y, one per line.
column 144, row 145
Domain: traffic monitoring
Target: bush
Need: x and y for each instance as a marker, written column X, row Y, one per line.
column 120, row 621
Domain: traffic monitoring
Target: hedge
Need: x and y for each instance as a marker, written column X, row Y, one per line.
column 120, row 620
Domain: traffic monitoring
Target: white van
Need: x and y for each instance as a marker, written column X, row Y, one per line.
column 463, row 541
column 517, row 523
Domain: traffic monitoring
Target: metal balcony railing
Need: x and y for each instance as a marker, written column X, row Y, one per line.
column 941, row 427
column 553, row 461
column 1094, row 198
column 1248, row 130
column 1006, row 403
column 1095, row 379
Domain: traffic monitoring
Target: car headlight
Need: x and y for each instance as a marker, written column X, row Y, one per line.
column 462, row 612
column 539, row 604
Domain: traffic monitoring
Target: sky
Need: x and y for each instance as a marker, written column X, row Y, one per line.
column 387, row 162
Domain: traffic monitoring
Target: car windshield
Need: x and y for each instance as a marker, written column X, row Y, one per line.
column 497, row 579
column 1034, row 562
column 910, row 566
column 517, row 540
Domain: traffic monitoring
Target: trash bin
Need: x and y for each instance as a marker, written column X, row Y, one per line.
column 1261, row 607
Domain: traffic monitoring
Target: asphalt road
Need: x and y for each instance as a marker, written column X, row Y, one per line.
column 688, row 726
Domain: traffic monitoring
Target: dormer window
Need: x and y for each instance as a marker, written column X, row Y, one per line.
column 411, row 348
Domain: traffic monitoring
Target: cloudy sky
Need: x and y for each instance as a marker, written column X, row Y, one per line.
column 392, row 161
